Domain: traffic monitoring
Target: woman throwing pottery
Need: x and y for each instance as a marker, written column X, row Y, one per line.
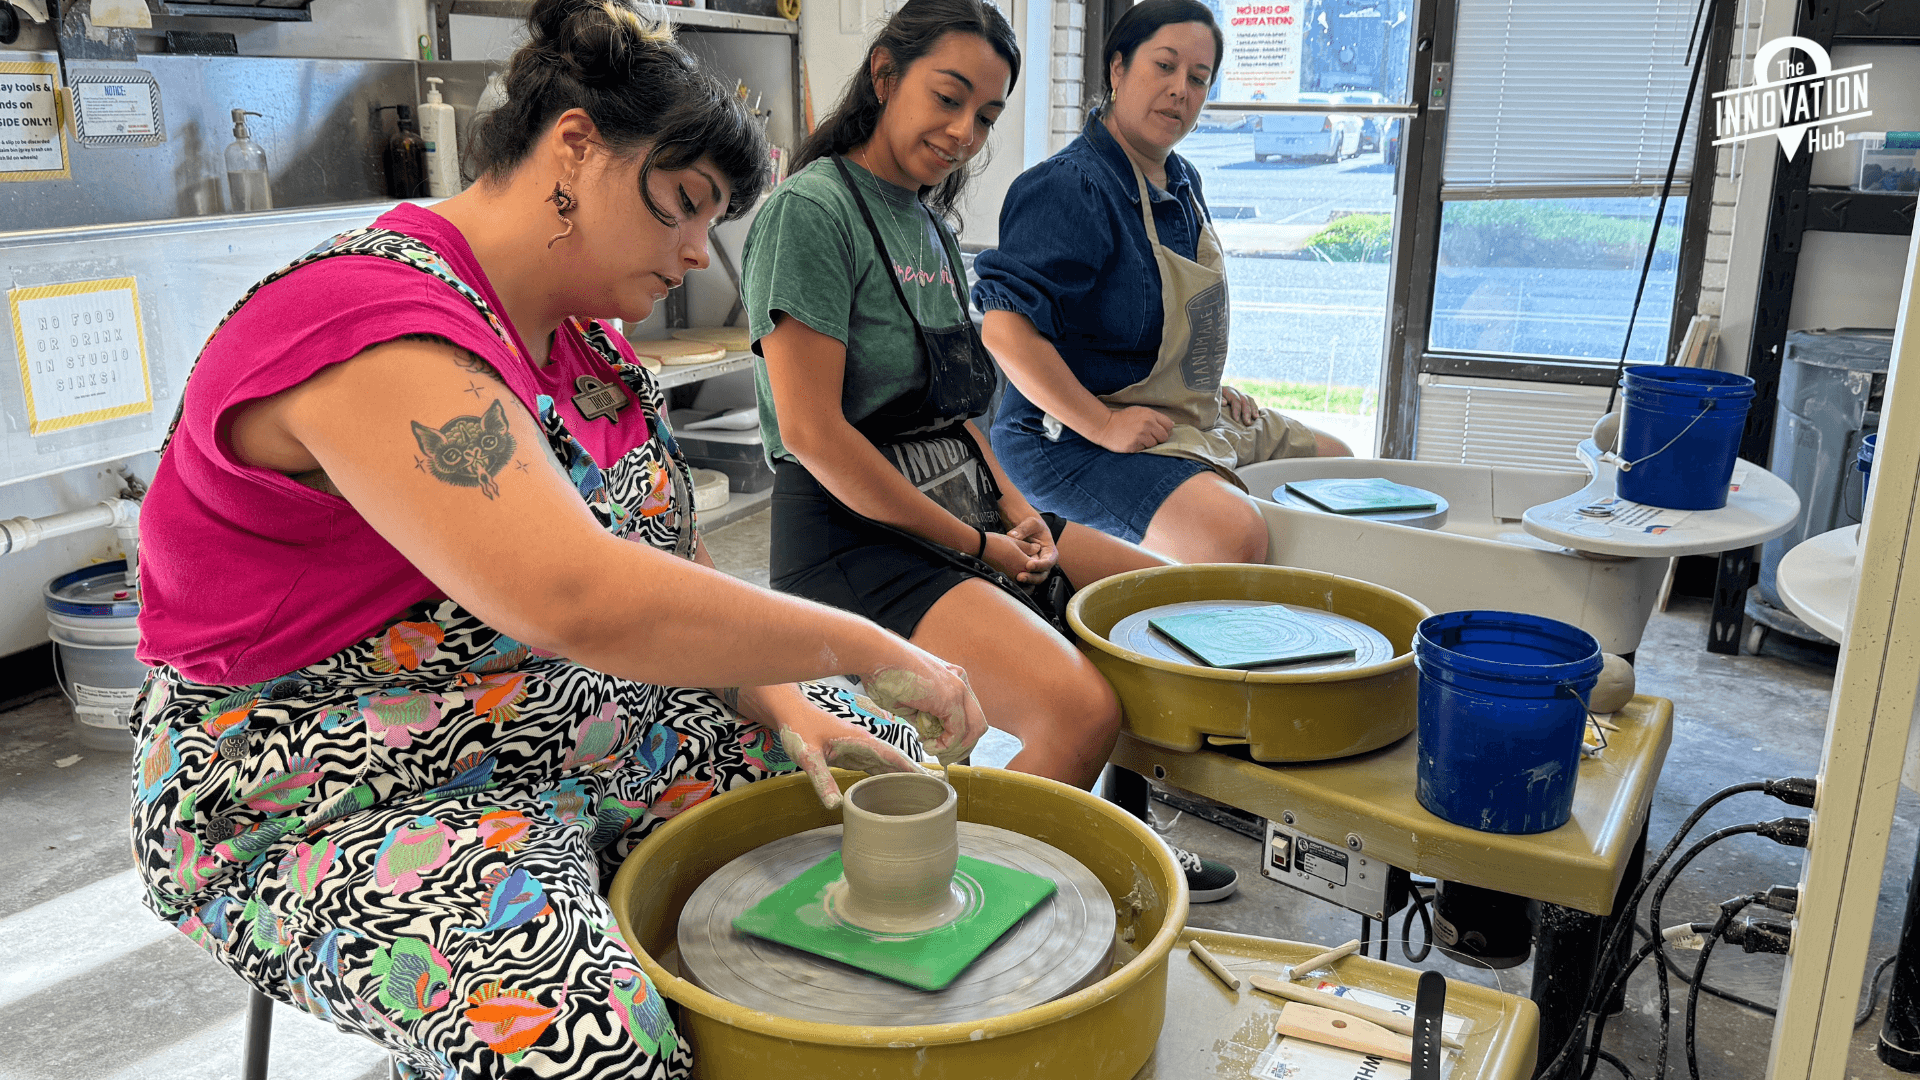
column 1106, row 305
column 428, row 616
column 887, row 500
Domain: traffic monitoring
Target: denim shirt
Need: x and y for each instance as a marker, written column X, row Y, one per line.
column 1075, row 260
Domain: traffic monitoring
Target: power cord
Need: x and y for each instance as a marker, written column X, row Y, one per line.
column 1796, row 791
column 1873, row 991
column 1418, row 907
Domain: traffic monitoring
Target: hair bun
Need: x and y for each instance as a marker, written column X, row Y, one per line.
column 594, row 40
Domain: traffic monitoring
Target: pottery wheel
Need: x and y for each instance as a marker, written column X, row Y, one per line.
column 1370, row 646
column 1061, row 946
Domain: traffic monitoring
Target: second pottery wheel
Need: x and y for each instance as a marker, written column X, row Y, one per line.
column 1061, row 946
column 1370, row 646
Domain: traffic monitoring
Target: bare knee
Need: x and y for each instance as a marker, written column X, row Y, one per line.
column 1243, row 535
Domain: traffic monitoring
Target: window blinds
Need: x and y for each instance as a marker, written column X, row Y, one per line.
column 1559, row 99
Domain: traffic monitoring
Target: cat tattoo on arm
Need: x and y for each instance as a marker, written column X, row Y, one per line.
column 468, row 451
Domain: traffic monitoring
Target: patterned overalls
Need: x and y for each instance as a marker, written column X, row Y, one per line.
column 409, row 838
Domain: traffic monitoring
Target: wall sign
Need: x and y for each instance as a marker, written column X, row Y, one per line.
column 33, row 145
column 83, row 355
column 116, row 108
column 1263, row 50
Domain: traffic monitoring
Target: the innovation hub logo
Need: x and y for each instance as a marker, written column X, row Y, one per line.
column 1791, row 98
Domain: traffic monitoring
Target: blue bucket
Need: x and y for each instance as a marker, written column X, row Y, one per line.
column 1502, row 712
column 1680, row 435
column 1864, row 459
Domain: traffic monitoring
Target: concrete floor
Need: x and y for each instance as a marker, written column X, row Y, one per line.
column 92, row 986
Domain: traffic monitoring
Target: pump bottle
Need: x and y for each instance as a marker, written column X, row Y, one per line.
column 247, row 187
column 443, row 149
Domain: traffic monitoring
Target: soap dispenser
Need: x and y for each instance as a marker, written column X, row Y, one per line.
column 406, row 157
column 443, row 150
column 247, row 188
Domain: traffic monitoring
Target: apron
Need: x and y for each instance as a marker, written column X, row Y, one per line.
column 1185, row 381
column 924, row 436
column 339, row 834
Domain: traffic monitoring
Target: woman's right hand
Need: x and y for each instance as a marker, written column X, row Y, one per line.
column 933, row 696
column 1133, row 429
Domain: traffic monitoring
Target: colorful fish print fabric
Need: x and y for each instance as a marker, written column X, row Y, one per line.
column 410, row 839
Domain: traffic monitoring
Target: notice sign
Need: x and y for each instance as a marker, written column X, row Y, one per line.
column 120, row 108
column 1263, row 51
column 32, row 144
column 83, row 357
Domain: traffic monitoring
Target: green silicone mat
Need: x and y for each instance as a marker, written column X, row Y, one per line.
column 1367, row 495
column 997, row 897
column 1247, row 637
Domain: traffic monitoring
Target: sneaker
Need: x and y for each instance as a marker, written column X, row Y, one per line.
column 1207, row 880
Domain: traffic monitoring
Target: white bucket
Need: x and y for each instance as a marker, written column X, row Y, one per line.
column 93, row 620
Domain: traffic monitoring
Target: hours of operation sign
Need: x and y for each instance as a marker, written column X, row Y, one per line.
column 83, row 357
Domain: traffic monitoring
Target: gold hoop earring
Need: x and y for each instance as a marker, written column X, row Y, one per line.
column 563, row 204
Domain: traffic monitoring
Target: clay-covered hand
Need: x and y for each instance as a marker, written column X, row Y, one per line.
column 1133, row 429
column 934, row 697
column 1242, row 408
column 819, row 741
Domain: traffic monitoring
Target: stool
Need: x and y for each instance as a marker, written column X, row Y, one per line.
column 259, row 1039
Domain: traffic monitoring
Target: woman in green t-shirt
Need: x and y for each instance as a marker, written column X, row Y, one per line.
column 887, row 499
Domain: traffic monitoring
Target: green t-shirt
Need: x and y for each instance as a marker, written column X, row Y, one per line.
column 810, row 255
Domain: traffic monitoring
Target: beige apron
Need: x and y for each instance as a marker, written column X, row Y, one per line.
column 1185, row 381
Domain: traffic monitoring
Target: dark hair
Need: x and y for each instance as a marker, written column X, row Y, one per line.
column 910, row 34
column 640, row 88
column 1142, row 21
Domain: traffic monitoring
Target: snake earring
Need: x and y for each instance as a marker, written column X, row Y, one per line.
column 563, row 204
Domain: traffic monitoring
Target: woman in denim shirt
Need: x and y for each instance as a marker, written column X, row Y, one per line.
column 1115, row 416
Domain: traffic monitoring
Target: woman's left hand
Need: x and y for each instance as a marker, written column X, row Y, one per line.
column 1242, row 408
column 818, row 741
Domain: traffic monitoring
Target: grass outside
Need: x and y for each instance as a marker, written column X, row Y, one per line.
column 1304, row 397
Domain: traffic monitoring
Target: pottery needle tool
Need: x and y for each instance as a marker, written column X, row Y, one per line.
column 1266, row 984
column 1219, row 970
column 1313, row 963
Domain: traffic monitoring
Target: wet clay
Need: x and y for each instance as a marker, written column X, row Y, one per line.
column 899, row 847
column 891, row 687
column 1614, row 688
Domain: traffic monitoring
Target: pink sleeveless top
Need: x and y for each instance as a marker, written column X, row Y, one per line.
column 245, row 574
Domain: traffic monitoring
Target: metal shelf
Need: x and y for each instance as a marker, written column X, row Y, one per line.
column 725, row 22
column 1845, row 210
column 672, row 375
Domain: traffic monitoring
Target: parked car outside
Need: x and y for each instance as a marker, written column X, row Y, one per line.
column 1329, row 137
column 1370, row 125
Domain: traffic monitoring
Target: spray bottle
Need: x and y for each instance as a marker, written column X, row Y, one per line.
column 443, row 153
column 247, row 187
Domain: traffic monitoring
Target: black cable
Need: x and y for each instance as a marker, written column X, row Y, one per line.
column 1615, row 1062
column 1703, row 16
column 1873, row 991
column 1419, row 907
column 1653, row 921
column 1366, row 934
column 1724, row 995
column 1727, row 912
column 1386, row 928
column 1621, row 932
column 1599, row 1020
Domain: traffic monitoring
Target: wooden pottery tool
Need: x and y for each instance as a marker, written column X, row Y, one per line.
column 1267, row 984
column 1206, row 958
column 1332, row 1028
column 1338, row 952
column 1429, row 1013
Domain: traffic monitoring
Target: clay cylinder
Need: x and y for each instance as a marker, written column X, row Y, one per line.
column 899, row 850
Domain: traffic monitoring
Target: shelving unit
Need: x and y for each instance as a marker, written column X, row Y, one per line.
column 1799, row 208
column 673, row 375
